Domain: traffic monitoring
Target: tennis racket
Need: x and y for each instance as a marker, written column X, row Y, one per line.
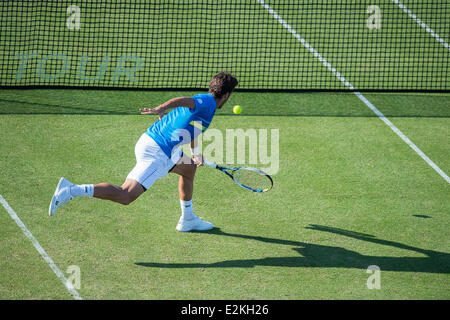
column 249, row 178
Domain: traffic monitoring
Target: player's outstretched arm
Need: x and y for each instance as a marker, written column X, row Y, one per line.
column 172, row 103
column 195, row 152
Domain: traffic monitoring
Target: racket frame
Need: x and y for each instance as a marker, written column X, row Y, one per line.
column 234, row 169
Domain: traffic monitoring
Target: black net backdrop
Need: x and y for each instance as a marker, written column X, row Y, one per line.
column 385, row 45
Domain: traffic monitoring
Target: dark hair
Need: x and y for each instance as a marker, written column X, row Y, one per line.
column 221, row 84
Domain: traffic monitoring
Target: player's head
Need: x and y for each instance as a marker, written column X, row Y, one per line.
column 221, row 86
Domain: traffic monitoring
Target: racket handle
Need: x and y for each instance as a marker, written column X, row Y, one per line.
column 210, row 164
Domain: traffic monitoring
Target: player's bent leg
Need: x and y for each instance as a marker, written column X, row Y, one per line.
column 186, row 169
column 125, row 194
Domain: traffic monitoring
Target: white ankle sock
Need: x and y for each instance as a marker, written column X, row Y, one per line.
column 82, row 190
column 187, row 211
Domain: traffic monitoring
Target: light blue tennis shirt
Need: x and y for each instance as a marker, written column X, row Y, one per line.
column 183, row 124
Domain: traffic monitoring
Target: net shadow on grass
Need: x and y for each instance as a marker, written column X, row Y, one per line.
column 12, row 106
column 16, row 107
column 322, row 256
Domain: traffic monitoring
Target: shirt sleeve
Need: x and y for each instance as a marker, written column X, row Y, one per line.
column 200, row 103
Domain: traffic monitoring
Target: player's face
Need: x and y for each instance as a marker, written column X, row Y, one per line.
column 223, row 100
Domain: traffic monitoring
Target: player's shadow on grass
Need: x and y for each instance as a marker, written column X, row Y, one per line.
column 321, row 256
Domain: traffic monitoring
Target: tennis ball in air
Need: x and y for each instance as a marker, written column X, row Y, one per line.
column 237, row 109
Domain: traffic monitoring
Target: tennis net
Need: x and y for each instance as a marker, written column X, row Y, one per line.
column 365, row 45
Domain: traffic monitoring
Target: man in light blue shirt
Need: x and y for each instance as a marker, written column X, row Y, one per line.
column 183, row 121
column 157, row 153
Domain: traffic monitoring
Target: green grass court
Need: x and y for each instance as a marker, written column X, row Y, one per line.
column 349, row 192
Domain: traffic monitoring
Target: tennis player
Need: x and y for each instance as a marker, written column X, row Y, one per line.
column 157, row 154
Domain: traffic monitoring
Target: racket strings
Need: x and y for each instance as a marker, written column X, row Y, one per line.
column 252, row 179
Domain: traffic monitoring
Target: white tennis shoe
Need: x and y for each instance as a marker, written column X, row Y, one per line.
column 61, row 196
column 196, row 224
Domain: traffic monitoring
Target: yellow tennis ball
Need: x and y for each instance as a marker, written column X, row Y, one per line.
column 237, row 109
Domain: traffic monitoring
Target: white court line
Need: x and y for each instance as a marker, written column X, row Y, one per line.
column 422, row 24
column 350, row 86
column 38, row 247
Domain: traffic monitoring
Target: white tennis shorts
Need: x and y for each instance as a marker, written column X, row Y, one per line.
column 151, row 162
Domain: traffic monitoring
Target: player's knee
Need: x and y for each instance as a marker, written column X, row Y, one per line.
column 127, row 198
column 191, row 172
column 126, row 201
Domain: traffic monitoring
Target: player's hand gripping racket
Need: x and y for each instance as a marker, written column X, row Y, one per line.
column 249, row 178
